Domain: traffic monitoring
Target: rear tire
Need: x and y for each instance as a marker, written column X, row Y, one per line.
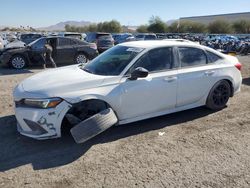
column 81, row 58
column 219, row 95
column 18, row 62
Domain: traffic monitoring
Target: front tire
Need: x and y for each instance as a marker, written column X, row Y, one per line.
column 81, row 58
column 18, row 62
column 219, row 95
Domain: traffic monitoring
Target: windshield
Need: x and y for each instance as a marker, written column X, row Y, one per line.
column 113, row 61
column 38, row 44
column 30, row 44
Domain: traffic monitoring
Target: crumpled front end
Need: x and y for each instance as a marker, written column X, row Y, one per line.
column 38, row 123
column 41, row 123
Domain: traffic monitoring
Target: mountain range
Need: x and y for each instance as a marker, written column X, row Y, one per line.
column 61, row 25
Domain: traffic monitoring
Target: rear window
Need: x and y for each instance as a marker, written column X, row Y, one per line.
column 139, row 36
column 76, row 36
column 150, row 37
column 104, row 35
column 212, row 57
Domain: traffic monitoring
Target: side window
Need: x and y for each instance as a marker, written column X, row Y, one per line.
column 212, row 57
column 64, row 41
column 155, row 60
column 191, row 56
column 39, row 44
column 72, row 42
column 90, row 37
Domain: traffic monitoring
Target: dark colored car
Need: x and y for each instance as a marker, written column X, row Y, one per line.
column 28, row 38
column 75, row 35
column 65, row 50
column 103, row 41
column 123, row 37
column 146, row 36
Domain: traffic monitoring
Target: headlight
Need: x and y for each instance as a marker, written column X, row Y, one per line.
column 42, row 103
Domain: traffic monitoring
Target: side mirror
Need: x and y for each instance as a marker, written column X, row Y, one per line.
column 139, row 72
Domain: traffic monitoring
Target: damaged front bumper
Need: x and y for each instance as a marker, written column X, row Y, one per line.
column 41, row 123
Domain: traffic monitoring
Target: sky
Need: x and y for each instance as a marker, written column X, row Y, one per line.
column 42, row 13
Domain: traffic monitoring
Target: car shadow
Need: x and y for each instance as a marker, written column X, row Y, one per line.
column 30, row 69
column 17, row 150
column 246, row 81
column 8, row 71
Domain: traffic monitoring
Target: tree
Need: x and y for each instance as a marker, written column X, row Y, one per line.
column 174, row 27
column 156, row 25
column 91, row 28
column 220, row 27
column 112, row 27
column 142, row 29
column 187, row 27
column 196, row 27
column 242, row 26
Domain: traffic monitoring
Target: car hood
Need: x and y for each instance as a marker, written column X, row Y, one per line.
column 15, row 44
column 61, row 81
column 14, row 49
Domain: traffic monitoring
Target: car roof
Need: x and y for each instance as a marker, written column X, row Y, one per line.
column 159, row 43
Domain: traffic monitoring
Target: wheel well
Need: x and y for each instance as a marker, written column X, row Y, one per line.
column 231, row 87
column 82, row 52
column 81, row 111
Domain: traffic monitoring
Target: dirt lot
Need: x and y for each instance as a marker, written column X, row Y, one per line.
column 200, row 148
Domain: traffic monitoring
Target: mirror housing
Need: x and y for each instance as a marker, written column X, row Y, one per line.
column 139, row 72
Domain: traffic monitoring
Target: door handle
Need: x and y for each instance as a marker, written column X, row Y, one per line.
column 170, row 78
column 209, row 73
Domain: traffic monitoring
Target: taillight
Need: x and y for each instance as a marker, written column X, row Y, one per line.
column 93, row 45
column 238, row 66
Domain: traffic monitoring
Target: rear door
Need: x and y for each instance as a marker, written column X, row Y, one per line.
column 195, row 76
column 65, row 50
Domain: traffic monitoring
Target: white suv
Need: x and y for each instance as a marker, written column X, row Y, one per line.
column 137, row 80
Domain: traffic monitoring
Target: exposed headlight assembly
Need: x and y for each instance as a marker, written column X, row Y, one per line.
column 41, row 103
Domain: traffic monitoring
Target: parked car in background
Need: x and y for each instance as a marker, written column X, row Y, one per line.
column 146, row 36
column 29, row 37
column 103, row 44
column 75, row 35
column 65, row 50
column 137, row 80
column 1, row 43
column 15, row 44
column 123, row 37
column 10, row 37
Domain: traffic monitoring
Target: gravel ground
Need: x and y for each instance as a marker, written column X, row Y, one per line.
column 193, row 148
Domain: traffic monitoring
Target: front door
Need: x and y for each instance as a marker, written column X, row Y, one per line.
column 156, row 92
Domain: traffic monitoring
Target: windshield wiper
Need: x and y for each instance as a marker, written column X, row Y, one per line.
column 87, row 70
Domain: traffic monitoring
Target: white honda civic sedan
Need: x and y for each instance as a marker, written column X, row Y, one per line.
column 137, row 80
